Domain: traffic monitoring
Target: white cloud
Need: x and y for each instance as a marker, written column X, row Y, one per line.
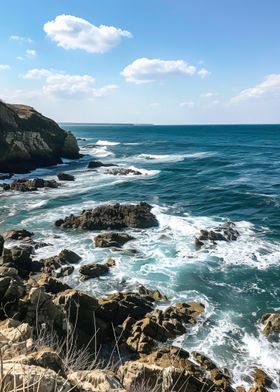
column 31, row 53
column 20, row 58
column 155, row 104
column 203, row 73
column 270, row 87
column 66, row 86
column 186, row 104
column 71, row 32
column 208, row 95
column 4, row 66
column 21, row 39
column 144, row 70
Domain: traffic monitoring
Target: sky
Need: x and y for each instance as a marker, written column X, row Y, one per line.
column 143, row 61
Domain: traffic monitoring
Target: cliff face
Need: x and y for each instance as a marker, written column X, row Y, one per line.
column 29, row 140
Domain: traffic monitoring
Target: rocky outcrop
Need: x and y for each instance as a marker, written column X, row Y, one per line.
column 123, row 172
column 226, row 232
column 29, row 140
column 109, row 240
column 111, row 217
column 65, row 177
column 25, row 185
column 93, row 270
column 97, row 164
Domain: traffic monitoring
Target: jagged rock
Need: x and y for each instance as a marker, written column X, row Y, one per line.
column 116, row 308
column 109, row 240
column 52, row 285
column 270, row 323
column 1, row 245
column 64, row 258
column 8, row 272
column 63, row 271
column 93, row 270
column 20, row 259
column 97, row 164
column 65, row 177
column 29, row 140
column 261, row 379
column 160, row 379
column 204, row 361
column 18, row 235
column 111, row 217
column 224, row 232
column 25, row 185
column 96, row 381
column 68, row 256
column 15, row 338
column 155, row 294
column 110, row 262
column 33, row 378
column 11, row 291
column 123, row 172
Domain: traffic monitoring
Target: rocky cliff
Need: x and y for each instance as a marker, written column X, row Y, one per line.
column 29, row 140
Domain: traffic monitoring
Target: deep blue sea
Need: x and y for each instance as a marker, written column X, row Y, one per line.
column 195, row 177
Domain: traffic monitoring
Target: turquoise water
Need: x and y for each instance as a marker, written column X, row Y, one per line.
column 195, row 177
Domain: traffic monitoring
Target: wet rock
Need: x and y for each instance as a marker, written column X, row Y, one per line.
column 29, row 185
column 224, row 232
column 109, row 240
column 96, row 381
column 93, row 270
column 68, row 256
column 155, row 294
column 261, row 379
column 97, row 164
column 63, row 271
column 64, row 258
column 123, row 172
column 18, row 235
column 110, row 262
column 65, row 177
column 204, row 361
column 111, row 217
column 1, row 245
column 270, row 323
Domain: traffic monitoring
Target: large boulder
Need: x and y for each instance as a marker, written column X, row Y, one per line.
column 65, row 177
column 110, row 240
column 29, row 140
column 97, row 164
column 111, row 217
column 89, row 271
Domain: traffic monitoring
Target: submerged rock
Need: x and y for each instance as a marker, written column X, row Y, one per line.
column 97, row 164
column 65, row 177
column 224, row 232
column 26, row 185
column 109, row 240
column 111, row 217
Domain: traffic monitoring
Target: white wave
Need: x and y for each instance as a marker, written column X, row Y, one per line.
column 100, row 151
column 172, row 157
column 144, row 172
column 106, row 143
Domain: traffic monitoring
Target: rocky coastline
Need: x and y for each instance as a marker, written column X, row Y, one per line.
column 66, row 337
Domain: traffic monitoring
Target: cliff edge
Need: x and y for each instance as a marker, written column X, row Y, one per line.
column 29, row 140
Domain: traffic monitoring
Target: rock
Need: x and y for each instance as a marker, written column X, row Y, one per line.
column 33, row 378
column 109, row 240
column 64, row 258
column 116, row 308
column 135, row 374
column 20, row 259
column 204, row 361
column 110, row 262
column 262, row 380
column 15, row 338
column 111, row 217
column 12, row 290
column 155, row 294
column 1, row 245
column 52, row 285
column 68, row 256
column 224, row 232
column 123, row 172
column 8, row 272
column 18, row 235
column 270, row 323
column 65, row 177
column 96, row 381
column 63, row 271
column 29, row 140
column 93, row 270
column 26, row 185
column 97, row 164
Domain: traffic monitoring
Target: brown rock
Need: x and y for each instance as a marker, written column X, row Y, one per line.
column 93, row 270
column 109, row 240
column 270, row 323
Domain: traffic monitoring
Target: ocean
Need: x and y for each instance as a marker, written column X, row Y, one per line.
column 196, row 177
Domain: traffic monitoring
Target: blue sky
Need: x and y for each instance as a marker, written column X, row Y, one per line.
column 155, row 61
